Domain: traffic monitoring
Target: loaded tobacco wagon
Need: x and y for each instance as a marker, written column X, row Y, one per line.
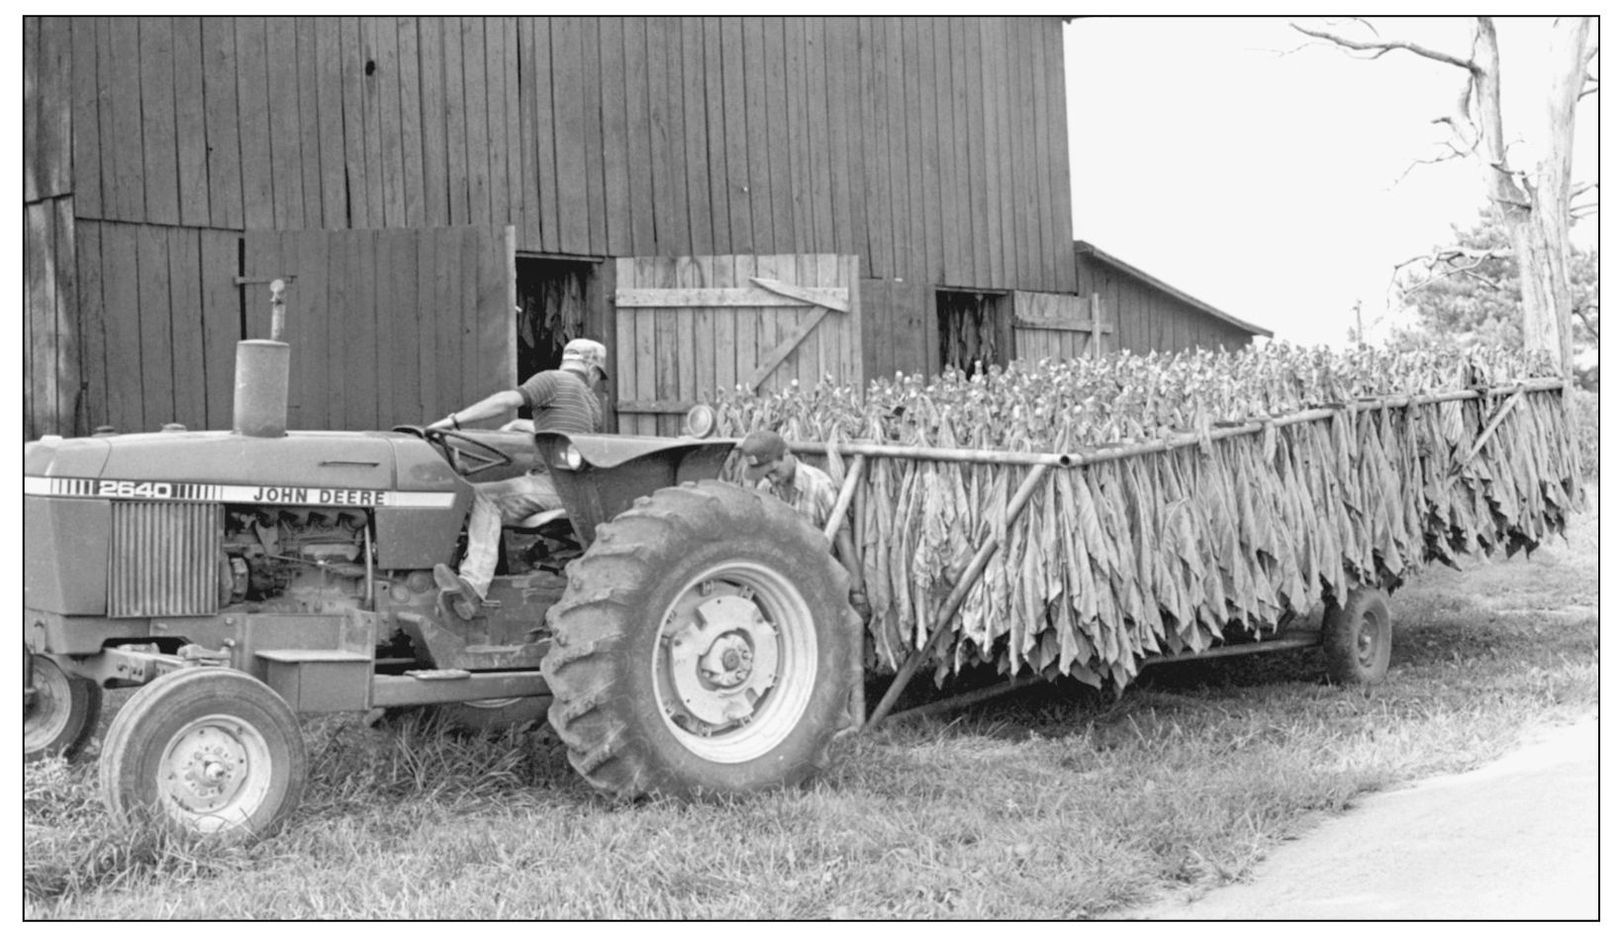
column 686, row 635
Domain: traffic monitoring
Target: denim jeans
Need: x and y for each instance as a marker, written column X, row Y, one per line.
column 494, row 505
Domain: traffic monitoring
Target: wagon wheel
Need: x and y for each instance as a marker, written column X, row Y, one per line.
column 1357, row 638
column 210, row 749
column 704, row 647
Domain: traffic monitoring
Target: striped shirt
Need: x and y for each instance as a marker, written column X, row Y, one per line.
column 560, row 401
column 812, row 494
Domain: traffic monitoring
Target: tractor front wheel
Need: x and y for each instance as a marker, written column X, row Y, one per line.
column 1357, row 637
column 60, row 710
column 210, row 749
column 704, row 647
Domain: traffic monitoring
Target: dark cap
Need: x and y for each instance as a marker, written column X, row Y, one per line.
column 760, row 450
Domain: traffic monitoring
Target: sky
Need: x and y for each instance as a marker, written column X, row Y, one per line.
column 1278, row 182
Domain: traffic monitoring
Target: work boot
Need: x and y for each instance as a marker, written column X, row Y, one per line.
column 460, row 593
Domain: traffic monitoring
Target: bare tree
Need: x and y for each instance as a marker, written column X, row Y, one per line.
column 1535, row 205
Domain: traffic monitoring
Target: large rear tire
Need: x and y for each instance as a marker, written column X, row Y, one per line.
column 1357, row 638
column 61, row 714
column 210, row 749
column 704, row 647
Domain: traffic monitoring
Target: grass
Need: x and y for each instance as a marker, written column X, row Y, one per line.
column 1054, row 802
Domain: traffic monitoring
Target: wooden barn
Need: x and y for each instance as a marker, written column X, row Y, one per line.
column 722, row 201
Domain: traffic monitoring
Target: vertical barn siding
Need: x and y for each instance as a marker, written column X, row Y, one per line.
column 932, row 149
column 1146, row 318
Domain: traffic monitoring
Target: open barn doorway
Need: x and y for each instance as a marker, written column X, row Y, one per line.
column 976, row 329
column 552, row 309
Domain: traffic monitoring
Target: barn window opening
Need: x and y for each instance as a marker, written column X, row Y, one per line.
column 551, row 310
column 975, row 329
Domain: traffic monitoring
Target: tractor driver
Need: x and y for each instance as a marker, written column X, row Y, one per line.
column 772, row 469
column 561, row 400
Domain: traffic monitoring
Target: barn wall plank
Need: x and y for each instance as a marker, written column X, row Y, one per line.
column 740, row 236
column 434, row 106
column 874, row 152
column 219, row 265
column 985, row 225
column 846, row 113
column 55, row 125
column 286, row 144
column 121, row 302
column 537, row 163
column 758, row 133
column 190, row 122
column 122, row 63
column 221, row 123
column 39, row 335
column 86, row 120
column 186, row 328
column 31, row 107
column 309, row 120
column 1058, row 157
column 819, row 143
column 696, row 135
column 496, row 66
column 894, row 137
column 616, row 119
column 597, row 83
column 254, row 125
column 391, row 140
column 92, row 321
column 724, row 327
column 569, row 100
column 780, row 168
column 156, row 338
column 371, row 122
column 830, row 95
column 804, row 238
column 923, row 227
column 667, row 125
column 457, row 170
column 637, row 139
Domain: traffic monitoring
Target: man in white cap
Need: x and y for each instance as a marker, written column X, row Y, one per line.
column 560, row 401
column 772, row 469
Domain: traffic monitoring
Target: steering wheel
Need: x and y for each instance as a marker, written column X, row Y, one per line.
column 466, row 454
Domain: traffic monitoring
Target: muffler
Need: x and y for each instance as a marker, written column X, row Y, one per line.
column 259, row 403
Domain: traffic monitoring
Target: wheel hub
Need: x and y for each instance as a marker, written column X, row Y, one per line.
column 210, row 766
column 724, row 661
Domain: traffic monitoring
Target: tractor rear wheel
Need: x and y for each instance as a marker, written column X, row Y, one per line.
column 210, row 749
column 1357, row 637
column 60, row 713
column 703, row 648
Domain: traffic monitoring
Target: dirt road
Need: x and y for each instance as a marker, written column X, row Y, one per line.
column 1517, row 839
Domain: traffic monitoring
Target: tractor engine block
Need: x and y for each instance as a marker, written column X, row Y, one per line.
column 314, row 559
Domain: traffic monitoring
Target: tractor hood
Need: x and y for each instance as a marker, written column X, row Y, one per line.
column 266, row 469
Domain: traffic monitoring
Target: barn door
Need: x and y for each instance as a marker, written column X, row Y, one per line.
column 1058, row 325
column 387, row 326
column 689, row 328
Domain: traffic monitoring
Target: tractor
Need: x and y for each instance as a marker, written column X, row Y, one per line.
column 683, row 635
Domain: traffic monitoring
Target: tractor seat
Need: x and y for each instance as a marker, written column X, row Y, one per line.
column 538, row 521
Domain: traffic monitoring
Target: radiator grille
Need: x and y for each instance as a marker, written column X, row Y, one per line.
column 165, row 559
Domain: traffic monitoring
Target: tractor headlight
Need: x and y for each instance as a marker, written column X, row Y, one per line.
column 700, row 421
column 568, row 457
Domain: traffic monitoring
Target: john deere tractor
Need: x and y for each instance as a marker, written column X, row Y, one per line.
column 684, row 636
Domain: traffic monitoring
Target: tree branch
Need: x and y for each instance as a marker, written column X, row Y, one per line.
column 1380, row 48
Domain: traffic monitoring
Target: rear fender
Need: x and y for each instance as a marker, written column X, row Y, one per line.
column 600, row 476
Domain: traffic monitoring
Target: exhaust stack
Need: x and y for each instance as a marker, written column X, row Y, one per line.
column 259, row 405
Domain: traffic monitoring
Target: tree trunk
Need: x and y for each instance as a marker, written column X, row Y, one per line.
column 1536, row 207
